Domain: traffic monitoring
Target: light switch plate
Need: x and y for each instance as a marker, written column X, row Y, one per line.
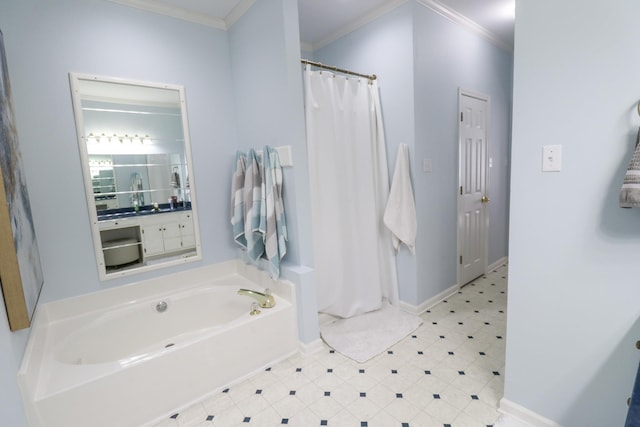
column 427, row 165
column 551, row 158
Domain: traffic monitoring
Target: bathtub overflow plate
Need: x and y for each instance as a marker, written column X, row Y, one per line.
column 161, row 307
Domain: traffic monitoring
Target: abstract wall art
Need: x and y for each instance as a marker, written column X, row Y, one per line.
column 20, row 270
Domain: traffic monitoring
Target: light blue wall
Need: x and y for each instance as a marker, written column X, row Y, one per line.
column 573, row 272
column 449, row 56
column 421, row 59
column 45, row 41
column 265, row 60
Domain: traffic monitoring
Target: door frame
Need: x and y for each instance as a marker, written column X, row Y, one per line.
column 485, row 261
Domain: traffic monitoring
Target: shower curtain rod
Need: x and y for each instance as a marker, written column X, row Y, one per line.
column 339, row 70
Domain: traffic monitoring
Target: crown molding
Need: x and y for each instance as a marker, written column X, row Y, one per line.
column 175, row 12
column 458, row 18
column 239, row 10
column 358, row 23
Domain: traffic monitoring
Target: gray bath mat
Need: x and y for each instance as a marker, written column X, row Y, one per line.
column 365, row 336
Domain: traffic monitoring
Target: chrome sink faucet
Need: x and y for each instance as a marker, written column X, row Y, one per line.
column 265, row 299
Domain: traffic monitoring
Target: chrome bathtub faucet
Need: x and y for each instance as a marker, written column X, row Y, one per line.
column 265, row 299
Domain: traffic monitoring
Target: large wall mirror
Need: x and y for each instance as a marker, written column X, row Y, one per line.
column 136, row 161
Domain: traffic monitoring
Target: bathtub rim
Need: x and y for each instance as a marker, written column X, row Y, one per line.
column 103, row 300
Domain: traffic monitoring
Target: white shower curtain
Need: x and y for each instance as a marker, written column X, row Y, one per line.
column 354, row 260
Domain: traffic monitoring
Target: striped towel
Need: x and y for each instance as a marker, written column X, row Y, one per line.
column 630, row 191
column 272, row 219
column 237, row 199
column 252, row 190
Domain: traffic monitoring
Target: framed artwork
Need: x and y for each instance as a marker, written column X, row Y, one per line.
column 20, row 270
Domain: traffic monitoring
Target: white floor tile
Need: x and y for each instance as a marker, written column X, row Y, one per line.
column 449, row 371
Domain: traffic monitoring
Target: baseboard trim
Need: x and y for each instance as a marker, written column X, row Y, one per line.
column 311, row 347
column 419, row 309
column 524, row 415
column 498, row 263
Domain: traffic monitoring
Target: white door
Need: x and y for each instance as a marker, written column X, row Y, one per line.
column 473, row 218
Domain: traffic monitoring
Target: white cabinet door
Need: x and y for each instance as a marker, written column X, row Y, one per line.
column 153, row 239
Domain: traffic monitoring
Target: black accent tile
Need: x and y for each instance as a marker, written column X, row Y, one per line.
column 421, row 352
column 481, row 292
column 258, row 391
column 474, row 397
column 174, row 416
column 361, row 371
column 496, row 373
column 394, row 371
column 427, row 372
column 246, row 420
column 434, row 323
column 451, row 353
column 405, row 424
column 470, row 337
column 487, row 323
column 447, row 425
column 441, row 337
column 476, row 311
column 284, row 421
column 399, row 395
column 499, row 337
column 452, row 311
column 210, row 418
column 327, row 393
column 331, row 351
column 436, row 396
column 414, row 336
column 268, row 369
column 461, row 373
column 292, row 393
column 491, row 301
column 482, row 353
column 364, row 424
column 363, row 394
column 329, row 371
column 324, row 422
column 389, row 352
column 226, row 390
column 298, row 369
column 460, row 323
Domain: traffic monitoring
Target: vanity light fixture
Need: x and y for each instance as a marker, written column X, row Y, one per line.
column 136, row 139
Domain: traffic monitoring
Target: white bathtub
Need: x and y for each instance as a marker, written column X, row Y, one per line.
column 112, row 359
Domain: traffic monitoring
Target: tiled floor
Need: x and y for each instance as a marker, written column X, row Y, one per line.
column 448, row 373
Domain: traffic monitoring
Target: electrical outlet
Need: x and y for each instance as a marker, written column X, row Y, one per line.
column 551, row 158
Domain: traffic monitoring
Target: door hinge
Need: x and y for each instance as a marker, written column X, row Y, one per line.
column 461, row 190
column 460, row 259
column 461, row 116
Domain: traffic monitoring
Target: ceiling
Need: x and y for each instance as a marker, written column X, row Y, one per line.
column 322, row 21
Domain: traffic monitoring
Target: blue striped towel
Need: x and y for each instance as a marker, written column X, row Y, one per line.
column 272, row 219
column 630, row 191
column 237, row 199
column 252, row 208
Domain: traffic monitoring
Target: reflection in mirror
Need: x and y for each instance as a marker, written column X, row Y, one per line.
column 136, row 159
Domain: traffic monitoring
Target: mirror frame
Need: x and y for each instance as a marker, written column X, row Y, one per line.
column 75, row 79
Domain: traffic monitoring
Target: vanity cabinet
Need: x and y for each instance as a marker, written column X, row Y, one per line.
column 168, row 233
column 132, row 241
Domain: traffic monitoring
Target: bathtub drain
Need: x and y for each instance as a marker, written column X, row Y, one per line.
column 161, row 306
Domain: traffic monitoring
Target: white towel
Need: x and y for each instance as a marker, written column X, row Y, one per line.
column 400, row 214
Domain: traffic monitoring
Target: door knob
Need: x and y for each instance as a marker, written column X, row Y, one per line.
column 484, row 199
